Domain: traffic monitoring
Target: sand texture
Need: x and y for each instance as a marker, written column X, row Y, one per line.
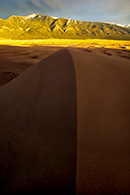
column 14, row 60
column 65, row 124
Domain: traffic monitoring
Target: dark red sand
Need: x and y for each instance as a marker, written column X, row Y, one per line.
column 65, row 126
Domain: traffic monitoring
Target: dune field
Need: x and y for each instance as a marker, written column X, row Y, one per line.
column 64, row 119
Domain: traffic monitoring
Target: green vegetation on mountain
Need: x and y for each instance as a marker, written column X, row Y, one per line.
column 44, row 27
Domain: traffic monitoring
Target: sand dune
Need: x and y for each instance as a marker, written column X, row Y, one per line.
column 64, row 126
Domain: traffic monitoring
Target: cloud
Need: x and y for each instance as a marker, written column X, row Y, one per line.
column 118, row 6
column 77, row 9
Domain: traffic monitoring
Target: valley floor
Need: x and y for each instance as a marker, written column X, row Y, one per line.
column 69, row 42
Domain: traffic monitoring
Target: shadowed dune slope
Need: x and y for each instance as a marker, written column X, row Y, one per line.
column 65, row 128
column 38, row 129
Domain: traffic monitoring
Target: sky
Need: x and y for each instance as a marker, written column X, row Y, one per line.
column 117, row 11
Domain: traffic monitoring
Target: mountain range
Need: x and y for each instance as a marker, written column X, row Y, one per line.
column 38, row 26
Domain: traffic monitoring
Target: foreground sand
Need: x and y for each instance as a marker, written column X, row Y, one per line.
column 64, row 125
column 14, row 59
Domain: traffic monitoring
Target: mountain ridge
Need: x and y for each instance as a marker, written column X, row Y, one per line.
column 38, row 26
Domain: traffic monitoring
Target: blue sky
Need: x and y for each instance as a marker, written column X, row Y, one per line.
column 117, row 11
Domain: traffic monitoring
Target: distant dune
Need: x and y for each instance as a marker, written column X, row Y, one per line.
column 65, row 125
column 15, row 60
